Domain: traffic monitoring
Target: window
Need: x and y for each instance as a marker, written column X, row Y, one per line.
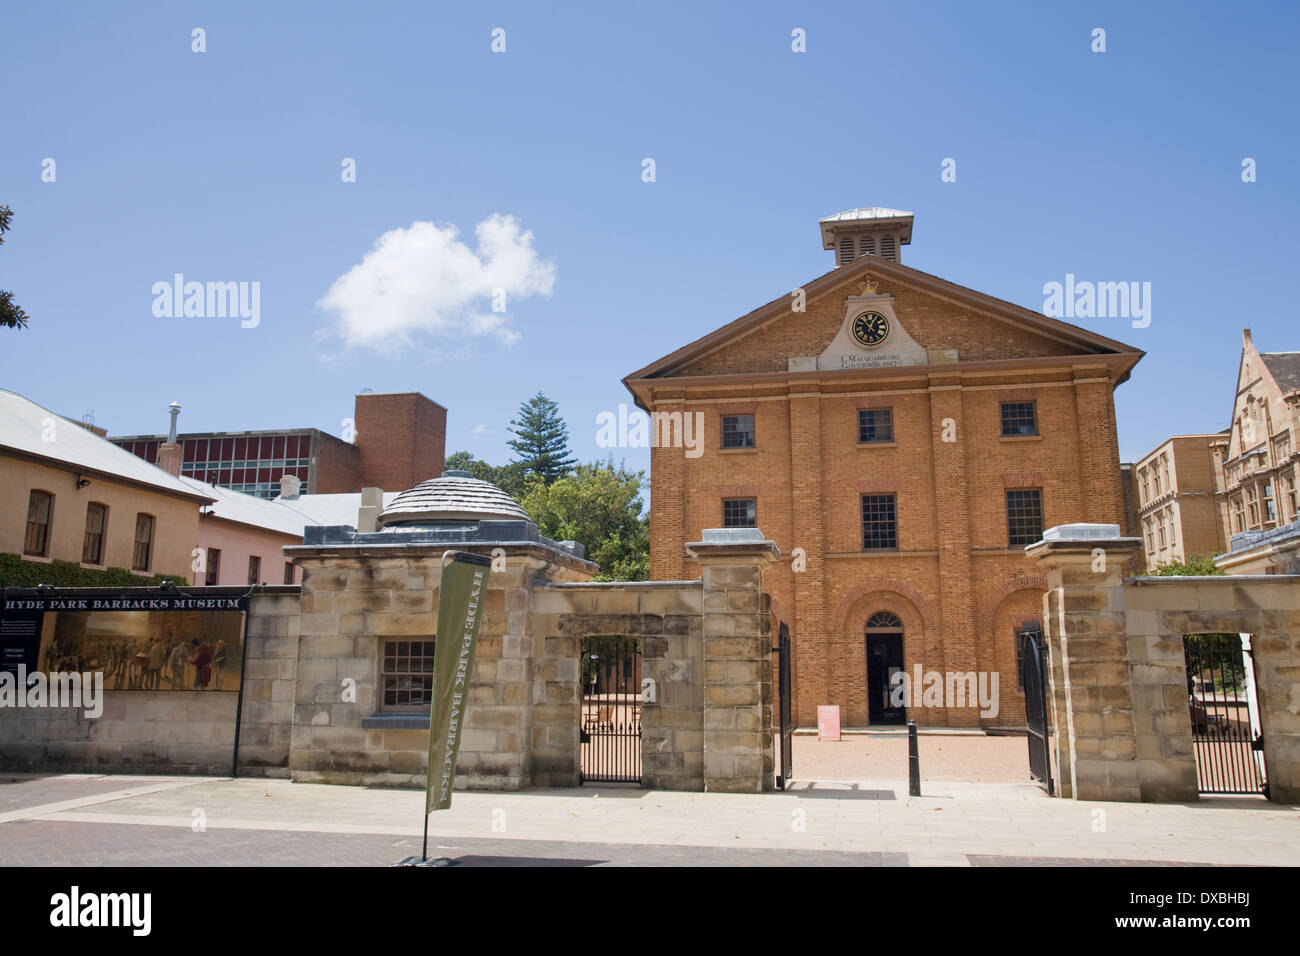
column 143, row 553
column 92, row 548
column 740, row 513
column 885, row 621
column 1238, row 514
column 288, row 572
column 867, row 246
column 737, row 431
column 1268, row 502
column 406, row 677
column 879, row 523
column 254, row 569
column 846, row 249
column 1024, row 516
column 213, row 574
column 40, row 506
column 875, row 425
column 1019, row 418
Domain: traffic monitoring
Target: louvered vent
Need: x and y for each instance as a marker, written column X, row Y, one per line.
column 889, row 248
column 867, row 246
column 846, row 250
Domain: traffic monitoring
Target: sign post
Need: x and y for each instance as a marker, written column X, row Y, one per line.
column 460, row 599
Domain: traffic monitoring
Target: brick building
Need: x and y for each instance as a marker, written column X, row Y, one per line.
column 399, row 440
column 1180, row 499
column 901, row 438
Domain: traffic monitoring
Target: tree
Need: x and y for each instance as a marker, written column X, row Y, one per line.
column 541, row 444
column 11, row 314
column 599, row 505
column 512, row 479
column 1195, row 566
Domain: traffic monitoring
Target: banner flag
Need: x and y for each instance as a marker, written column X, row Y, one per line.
column 460, row 595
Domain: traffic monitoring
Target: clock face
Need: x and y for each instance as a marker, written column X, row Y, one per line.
column 870, row 328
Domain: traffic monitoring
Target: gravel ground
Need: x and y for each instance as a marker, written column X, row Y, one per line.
column 973, row 759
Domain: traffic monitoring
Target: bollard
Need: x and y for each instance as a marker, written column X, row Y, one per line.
column 913, row 762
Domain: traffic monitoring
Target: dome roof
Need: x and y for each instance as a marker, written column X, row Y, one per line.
column 454, row 498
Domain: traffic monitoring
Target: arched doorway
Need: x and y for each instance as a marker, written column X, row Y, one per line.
column 884, row 652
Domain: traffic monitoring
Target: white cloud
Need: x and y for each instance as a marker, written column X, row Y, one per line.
column 479, row 430
column 423, row 279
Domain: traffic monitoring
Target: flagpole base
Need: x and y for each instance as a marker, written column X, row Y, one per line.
column 427, row 861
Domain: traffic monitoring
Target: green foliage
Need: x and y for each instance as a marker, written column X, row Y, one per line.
column 541, row 442
column 11, row 315
column 513, row 478
column 1195, row 566
column 17, row 573
column 598, row 505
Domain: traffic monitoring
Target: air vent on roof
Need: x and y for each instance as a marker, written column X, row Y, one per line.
column 846, row 250
column 888, row 248
column 867, row 246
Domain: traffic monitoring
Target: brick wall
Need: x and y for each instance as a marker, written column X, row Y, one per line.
column 955, row 581
column 401, row 440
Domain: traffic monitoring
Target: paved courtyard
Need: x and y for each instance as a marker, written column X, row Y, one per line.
column 194, row 821
column 946, row 757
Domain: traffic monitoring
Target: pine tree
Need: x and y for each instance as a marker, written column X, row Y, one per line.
column 541, row 444
column 11, row 315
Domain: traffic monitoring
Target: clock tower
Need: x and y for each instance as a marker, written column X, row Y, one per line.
column 874, row 231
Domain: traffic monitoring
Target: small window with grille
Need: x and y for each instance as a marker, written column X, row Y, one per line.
column 875, row 425
column 740, row 513
column 1024, row 516
column 737, row 431
column 406, row 676
column 879, row 523
column 1019, row 418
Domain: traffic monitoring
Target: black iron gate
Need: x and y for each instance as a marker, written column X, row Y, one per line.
column 1033, row 659
column 1229, row 752
column 787, row 721
column 610, row 732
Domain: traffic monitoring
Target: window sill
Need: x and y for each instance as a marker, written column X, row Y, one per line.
column 1020, row 438
column 877, row 444
column 93, row 566
column 395, row 722
column 734, row 451
column 39, row 558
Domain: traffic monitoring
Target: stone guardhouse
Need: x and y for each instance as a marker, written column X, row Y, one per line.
column 366, row 635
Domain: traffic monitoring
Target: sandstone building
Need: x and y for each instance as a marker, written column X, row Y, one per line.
column 902, row 439
column 1180, row 499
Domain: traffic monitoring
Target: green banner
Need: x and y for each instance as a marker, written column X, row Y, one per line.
column 460, row 595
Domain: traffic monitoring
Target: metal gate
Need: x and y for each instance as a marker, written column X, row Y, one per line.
column 787, row 721
column 1225, row 725
column 1033, row 659
column 610, row 732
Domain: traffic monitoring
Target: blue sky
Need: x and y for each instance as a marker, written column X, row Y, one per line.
column 225, row 166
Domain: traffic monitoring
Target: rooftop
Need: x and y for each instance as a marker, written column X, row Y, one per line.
column 33, row 430
column 867, row 212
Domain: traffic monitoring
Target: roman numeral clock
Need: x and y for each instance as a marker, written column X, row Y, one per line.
column 871, row 328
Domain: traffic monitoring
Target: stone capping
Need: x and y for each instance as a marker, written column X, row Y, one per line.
column 756, row 550
column 620, row 585
column 1040, row 549
column 395, row 722
column 399, row 549
column 1223, row 580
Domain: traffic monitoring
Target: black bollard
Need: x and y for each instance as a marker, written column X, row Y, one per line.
column 913, row 762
